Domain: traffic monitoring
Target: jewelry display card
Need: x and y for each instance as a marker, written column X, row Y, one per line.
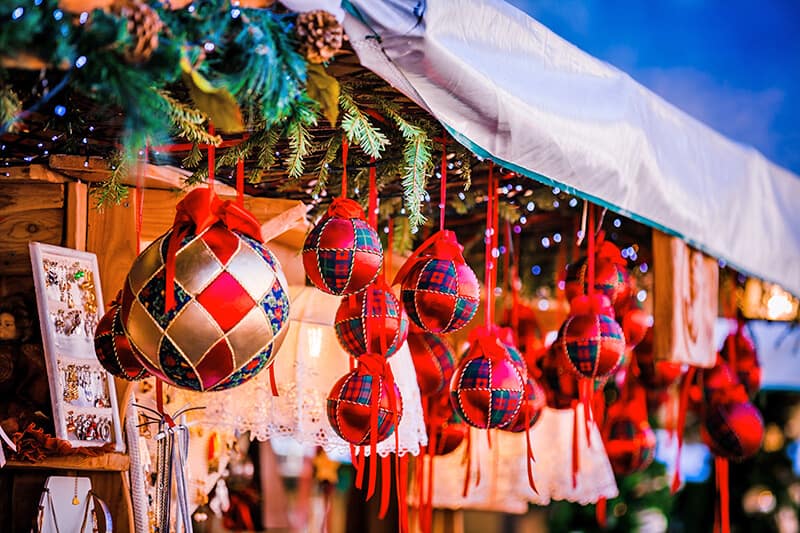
column 70, row 305
column 65, row 505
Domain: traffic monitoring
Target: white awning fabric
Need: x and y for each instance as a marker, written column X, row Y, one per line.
column 511, row 90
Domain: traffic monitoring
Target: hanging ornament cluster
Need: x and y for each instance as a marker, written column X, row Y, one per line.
column 610, row 276
column 739, row 352
column 205, row 306
column 433, row 360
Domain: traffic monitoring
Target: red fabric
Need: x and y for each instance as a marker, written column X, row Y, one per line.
column 443, row 185
column 344, row 208
column 345, row 148
column 216, row 365
column 226, row 300
column 683, row 407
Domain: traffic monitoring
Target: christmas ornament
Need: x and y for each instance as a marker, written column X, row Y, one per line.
column 113, row 349
column 143, row 25
column 591, row 344
column 522, row 319
column 342, row 255
column 375, row 314
column 364, row 401
column 611, row 276
column 635, row 324
column 629, row 439
column 740, row 353
column 487, row 388
column 733, row 429
column 320, row 35
column 654, row 374
column 531, row 408
column 205, row 305
column 506, row 336
column 631, row 444
column 433, row 360
column 560, row 385
column 446, row 429
column 439, row 290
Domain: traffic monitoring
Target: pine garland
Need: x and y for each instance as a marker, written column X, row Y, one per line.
column 189, row 123
column 112, row 191
column 300, row 145
column 324, row 166
column 10, row 108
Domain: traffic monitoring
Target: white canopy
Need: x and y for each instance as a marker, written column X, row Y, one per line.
column 511, row 90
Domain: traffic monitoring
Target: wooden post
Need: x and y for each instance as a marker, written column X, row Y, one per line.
column 77, row 215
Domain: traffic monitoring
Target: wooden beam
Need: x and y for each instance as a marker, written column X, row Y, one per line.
column 21, row 197
column 31, row 173
column 77, row 213
column 111, row 235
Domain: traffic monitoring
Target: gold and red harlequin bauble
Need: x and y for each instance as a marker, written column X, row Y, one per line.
column 732, row 429
column 630, row 443
column 739, row 352
column 591, row 344
column 652, row 374
column 342, row 255
column 439, row 290
column 433, row 360
column 487, row 388
column 350, row 407
column 531, row 408
column 610, row 279
column 114, row 350
column 373, row 313
column 230, row 307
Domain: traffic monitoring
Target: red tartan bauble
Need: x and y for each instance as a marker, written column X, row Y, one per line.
column 714, row 385
column 590, row 344
column 439, row 290
column 630, row 444
column 113, row 349
column 733, row 430
column 230, row 308
column 654, row 375
column 487, row 388
column 350, row 407
column 610, row 277
column 531, row 408
column 433, row 360
column 374, row 312
column 528, row 331
column 635, row 324
column 740, row 353
column 560, row 386
column 342, row 255
column 446, row 430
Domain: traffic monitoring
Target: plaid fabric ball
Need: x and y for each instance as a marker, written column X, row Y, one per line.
column 447, row 436
column 433, row 361
column 531, row 408
column 733, row 430
column 342, row 255
column 113, row 349
column 486, row 390
column 631, row 445
column 230, row 315
column 654, row 375
column 440, row 295
column 740, row 352
column 610, row 279
column 350, row 407
column 377, row 308
column 591, row 345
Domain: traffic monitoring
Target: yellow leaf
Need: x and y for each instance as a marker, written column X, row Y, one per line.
column 323, row 88
column 216, row 102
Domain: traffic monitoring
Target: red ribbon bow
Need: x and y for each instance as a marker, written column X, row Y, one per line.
column 609, row 251
column 345, row 208
column 441, row 245
column 198, row 211
column 489, row 342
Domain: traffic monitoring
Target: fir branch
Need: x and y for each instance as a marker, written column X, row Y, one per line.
column 112, row 191
column 266, row 154
column 300, row 145
column 188, row 122
column 507, row 212
column 418, row 165
column 463, row 155
column 10, row 108
column 359, row 129
column 324, row 167
column 193, row 158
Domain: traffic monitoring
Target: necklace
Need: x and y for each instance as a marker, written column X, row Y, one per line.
column 75, row 500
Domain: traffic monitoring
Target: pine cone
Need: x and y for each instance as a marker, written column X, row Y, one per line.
column 144, row 26
column 320, row 35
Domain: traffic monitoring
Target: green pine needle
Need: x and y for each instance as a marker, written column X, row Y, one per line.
column 359, row 129
column 112, row 191
column 193, row 158
column 188, row 122
column 324, row 166
column 300, row 145
column 10, row 108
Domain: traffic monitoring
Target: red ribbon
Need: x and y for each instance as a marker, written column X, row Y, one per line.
column 723, row 518
column 198, row 211
column 683, row 406
column 608, row 251
column 489, row 342
column 441, row 245
column 345, row 208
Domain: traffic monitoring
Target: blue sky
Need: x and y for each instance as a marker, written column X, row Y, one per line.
column 734, row 65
